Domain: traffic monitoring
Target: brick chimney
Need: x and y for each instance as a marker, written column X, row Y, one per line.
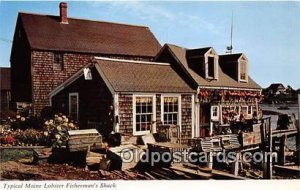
column 63, row 10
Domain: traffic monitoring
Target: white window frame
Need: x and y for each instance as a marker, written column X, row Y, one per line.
column 179, row 107
column 77, row 95
column 216, row 65
column 215, row 118
column 251, row 109
column 153, row 128
column 240, row 62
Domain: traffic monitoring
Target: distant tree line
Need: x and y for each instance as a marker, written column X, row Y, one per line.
column 278, row 93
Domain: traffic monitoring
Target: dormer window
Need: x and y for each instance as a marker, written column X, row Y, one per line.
column 243, row 70
column 211, row 65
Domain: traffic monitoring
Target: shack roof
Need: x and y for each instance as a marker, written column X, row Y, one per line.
column 138, row 76
column 224, row 80
column 46, row 32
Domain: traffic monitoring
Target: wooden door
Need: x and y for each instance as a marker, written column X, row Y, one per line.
column 204, row 120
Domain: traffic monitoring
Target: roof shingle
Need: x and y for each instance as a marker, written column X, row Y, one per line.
column 47, row 33
column 130, row 76
column 224, row 80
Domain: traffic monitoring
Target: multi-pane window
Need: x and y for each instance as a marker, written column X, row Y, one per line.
column 170, row 110
column 243, row 70
column 58, row 61
column 143, row 113
column 215, row 112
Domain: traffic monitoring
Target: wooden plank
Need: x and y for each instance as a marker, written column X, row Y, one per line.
column 160, row 176
column 150, row 176
column 292, row 170
column 85, row 141
column 75, row 137
column 196, row 167
column 191, row 171
column 217, row 174
column 83, row 132
column 84, row 147
column 23, row 147
column 148, row 139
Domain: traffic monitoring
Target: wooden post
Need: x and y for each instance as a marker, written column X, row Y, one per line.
column 298, row 112
column 210, row 160
column 235, row 165
column 281, row 155
column 267, row 162
column 298, row 134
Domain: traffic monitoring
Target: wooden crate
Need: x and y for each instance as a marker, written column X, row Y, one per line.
column 166, row 148
column 121, row 159
column 251, row 138
column 208, row 144
column 230, row 142
column 79, row 140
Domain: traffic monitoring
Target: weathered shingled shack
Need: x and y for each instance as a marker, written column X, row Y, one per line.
column 129, row 97
column 226, row 93
column 48, row 49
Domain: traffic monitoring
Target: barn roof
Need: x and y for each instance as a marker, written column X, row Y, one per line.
column 137, row 76
column 4, row 78
column 224, row 80
column 46, row 32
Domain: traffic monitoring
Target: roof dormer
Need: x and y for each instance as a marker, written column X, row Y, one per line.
column 235, row 65
column 204, row 61
column 211, row 64
column 243, row 69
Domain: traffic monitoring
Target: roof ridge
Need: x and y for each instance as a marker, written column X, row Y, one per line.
column 231, row 54
column 176, row 46
column 131, row 61
column 85, row 19
column 208, row 47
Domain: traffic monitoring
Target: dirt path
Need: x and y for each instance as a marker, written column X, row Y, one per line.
column 16, row 170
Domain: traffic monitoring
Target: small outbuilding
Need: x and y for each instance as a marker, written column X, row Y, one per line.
column 125, row 96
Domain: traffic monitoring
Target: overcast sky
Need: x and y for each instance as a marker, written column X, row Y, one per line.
column 267, row 32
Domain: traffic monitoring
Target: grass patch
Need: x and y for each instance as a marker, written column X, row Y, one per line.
column 14, row 154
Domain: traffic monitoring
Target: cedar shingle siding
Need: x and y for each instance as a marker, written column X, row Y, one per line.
column 45, row 78
column 110, row 80
column 38, row 37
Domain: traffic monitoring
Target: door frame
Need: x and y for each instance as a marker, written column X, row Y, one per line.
column 77, row 96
